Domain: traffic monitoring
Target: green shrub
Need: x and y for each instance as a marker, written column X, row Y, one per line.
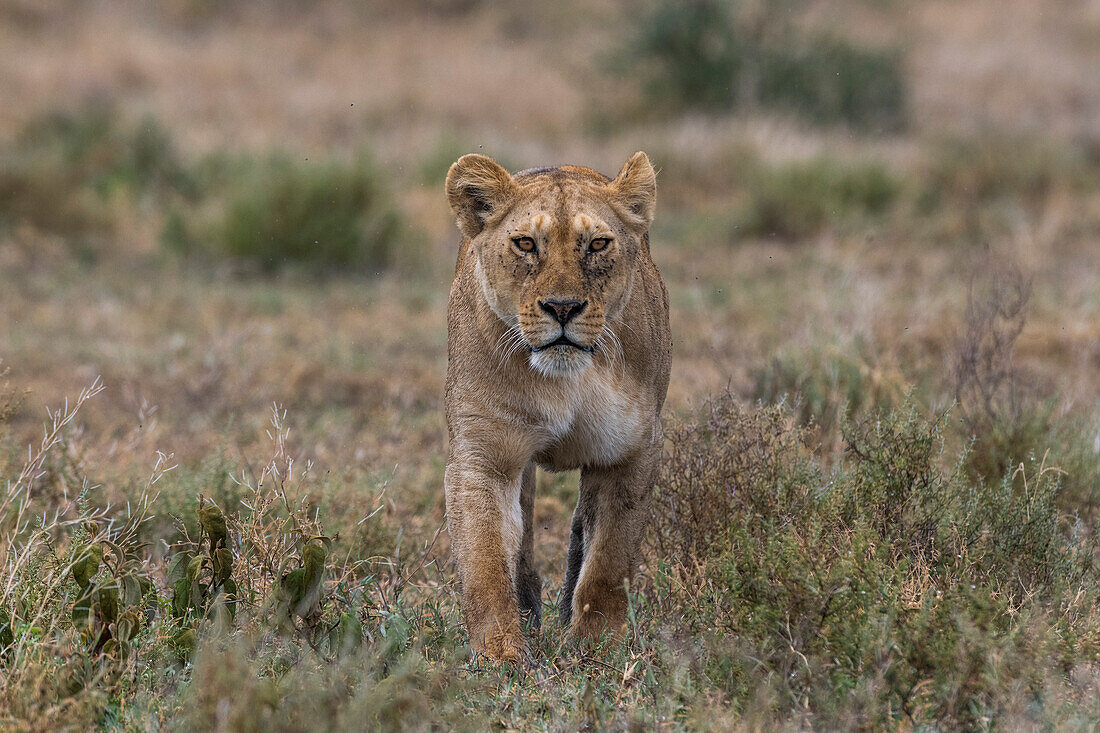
column 800, row 199
column 60, row 172
column 103, row 152
column 827, row 80
column 696, row 54
column 327, row 214
column 113, row 603
column 707, row 55
column 63, row 172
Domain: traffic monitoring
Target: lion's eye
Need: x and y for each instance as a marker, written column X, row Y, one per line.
column 524, row 244
column 597, row 244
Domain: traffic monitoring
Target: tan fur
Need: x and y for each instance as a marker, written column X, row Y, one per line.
column 513, row 403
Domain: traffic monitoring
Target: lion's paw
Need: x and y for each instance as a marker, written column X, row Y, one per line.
column 506, row 646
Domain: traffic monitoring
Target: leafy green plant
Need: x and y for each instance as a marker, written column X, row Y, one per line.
column 202, row 581
column 111, row 607
column 299, row 591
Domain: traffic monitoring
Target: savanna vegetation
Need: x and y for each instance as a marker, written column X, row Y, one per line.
column 224, row 262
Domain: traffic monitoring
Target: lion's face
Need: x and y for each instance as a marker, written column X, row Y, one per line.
column 555, row 269
column 556, row 252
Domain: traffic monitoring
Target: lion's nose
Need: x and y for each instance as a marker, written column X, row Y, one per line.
column 563, row 311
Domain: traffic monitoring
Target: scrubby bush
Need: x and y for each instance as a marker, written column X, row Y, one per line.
column 697, row 52
column 108, row 154
column 64, row 173
column 708, row 55
column 800, row 199
column 328, row 214
column 827, row 80
column 1000, row 410
column 888, row 589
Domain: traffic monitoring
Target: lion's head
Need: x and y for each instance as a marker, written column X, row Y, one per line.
column 555, row 251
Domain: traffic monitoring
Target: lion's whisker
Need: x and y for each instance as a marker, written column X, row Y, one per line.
column 614, row 350
column 514, row 343
column 506, row 344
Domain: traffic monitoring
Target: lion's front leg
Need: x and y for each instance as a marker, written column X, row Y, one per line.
column 611, row 519
column 486, row 527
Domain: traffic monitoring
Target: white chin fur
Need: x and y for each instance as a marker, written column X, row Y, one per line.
column 560, row 361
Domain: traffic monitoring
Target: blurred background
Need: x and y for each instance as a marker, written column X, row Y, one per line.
column 219, row 206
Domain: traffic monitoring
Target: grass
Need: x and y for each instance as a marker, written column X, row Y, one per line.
column 800, row 200
column 827, row 398
column 882, row 588
column 830, row 563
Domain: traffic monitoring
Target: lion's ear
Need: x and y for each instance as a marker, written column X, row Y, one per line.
column 635, row 190
column 478, row 188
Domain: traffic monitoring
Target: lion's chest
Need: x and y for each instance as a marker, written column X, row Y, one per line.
column 594, row 421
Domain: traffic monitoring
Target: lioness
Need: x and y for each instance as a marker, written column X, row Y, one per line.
column 558, row 355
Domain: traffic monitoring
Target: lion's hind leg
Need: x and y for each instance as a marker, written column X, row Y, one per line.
column 612, row 514
column 573, row 561
column 528, row 582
